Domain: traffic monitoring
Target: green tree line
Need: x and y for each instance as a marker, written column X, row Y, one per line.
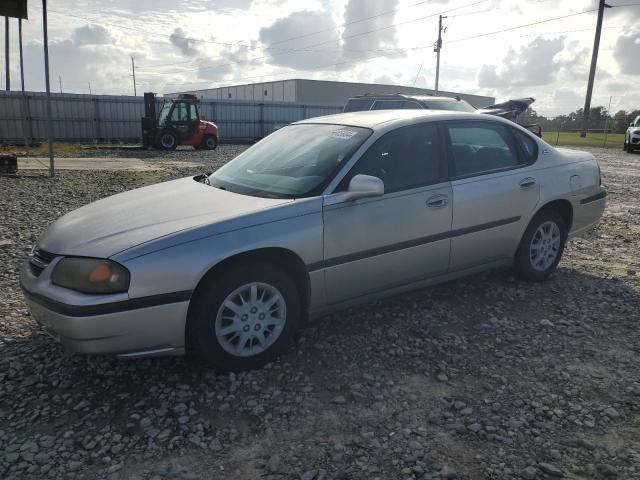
column 599, row 119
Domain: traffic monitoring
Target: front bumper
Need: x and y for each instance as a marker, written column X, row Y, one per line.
column 128, row 328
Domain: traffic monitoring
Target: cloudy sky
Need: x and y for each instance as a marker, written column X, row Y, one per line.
column 190, row 44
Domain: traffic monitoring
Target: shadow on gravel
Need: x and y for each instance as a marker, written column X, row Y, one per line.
column 486, row 350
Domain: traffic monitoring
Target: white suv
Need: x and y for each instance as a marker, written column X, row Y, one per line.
column 632, row 137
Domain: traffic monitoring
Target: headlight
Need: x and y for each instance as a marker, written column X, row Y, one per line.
column 91, row 275
column 636, row 131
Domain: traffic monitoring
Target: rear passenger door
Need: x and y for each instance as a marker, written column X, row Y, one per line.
column 495, row 189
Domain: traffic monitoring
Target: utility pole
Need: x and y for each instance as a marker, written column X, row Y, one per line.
column 6, row 55
column 89, row 88
column 592, row 70
column 60, row 82
column 24, row 99
column 133, row 69
column 437, row 49
column 47, row 84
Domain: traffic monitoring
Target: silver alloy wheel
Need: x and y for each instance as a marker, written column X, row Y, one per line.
column 167, row 140
column 250, row 319
column 545, row 246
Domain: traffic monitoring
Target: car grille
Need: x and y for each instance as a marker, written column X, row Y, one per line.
column 39, row 260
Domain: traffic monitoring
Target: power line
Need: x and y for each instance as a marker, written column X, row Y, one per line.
column 421, row 47
column 495, row 32
column 395, row 10
column 285, row 51
column 306, row 49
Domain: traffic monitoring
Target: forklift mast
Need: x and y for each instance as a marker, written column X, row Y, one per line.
column 150, row 120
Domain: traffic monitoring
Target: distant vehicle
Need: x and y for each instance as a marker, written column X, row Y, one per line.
column 632, row 136
column 372, row 101
column 320, row 215
column 178, row 123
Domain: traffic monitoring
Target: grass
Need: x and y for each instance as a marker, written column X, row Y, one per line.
column 573, row 139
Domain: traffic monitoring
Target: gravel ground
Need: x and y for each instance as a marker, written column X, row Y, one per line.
column 482, row 378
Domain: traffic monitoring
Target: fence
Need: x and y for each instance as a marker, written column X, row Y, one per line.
column 104, row 118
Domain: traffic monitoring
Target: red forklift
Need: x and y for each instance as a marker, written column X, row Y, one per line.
column 178, row 123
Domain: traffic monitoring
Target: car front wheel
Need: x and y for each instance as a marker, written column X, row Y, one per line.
column 541, row 246
column 245, row 317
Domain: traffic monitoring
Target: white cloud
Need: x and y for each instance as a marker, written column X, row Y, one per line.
column 175, row 49
column 627, row 53
column 531, row 65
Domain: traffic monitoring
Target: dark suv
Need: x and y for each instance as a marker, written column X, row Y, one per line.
column 372, row 101
column 399, row 101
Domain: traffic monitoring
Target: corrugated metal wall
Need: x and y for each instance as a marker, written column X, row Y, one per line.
column 79, row 117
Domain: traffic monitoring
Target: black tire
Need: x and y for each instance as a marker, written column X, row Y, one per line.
column 209, row 142
column 214, row 291
column 166, row 140
column 523, row 264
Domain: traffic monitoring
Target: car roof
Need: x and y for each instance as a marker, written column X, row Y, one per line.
column 376, row 119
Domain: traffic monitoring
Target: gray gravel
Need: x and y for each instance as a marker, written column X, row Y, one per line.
column 483, row 378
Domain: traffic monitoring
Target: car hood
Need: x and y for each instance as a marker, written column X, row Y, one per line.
column 111, row 225
column 509, row 109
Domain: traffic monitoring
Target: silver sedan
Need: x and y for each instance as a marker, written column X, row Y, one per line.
column 323, row 214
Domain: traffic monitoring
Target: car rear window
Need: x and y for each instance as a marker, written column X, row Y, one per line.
column 358, row 105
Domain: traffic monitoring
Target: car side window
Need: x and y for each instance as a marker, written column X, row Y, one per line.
column 481, row 147
column 193, row 111
column 406, row 158
column 528, row 144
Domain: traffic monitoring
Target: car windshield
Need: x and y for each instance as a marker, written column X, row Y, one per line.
column 458, row 106
column 162, row 118
column 296, row 161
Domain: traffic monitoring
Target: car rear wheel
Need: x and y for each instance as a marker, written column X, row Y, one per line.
column 245, row 317
column 210, row 142
column 166, row 140
column 541, row 246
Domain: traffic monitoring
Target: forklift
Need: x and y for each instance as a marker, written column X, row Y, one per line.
column 178, row 123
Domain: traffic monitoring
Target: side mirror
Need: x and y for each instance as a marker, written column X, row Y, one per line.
column 364, row 186
column 631, row 124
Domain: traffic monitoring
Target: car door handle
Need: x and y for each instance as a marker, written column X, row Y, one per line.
column 527, row 182
column 437, row 201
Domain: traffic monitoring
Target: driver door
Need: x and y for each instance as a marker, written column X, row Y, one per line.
column 180, row 120
column 374, row 244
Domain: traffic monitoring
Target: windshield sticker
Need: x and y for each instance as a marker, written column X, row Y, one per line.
column 343, row 134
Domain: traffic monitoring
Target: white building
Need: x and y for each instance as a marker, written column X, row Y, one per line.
column 319, row 92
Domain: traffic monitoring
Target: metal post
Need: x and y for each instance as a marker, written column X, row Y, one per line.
column 7, row 66
column 558, row 134
column 592, row 70
column 47, row 86
column 133, row 69
column 24, row 99
column 437, row 49
column 60, row 82
column 606, row 123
